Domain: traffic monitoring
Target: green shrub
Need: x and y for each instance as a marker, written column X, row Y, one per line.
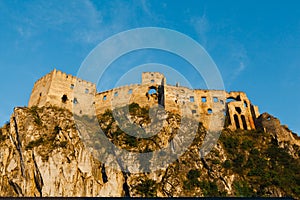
column 215, row 161
column 34, row 143
column 193, row 174
column 247, row 144
column 209, row 188
column 57, row 129
column 192, row 181
column 63, row 144
column 230, row 143
column 131, row 141
column 242, row 189
column 227, row 164
column 147, row 188
column 35, row 114
column 133, row 108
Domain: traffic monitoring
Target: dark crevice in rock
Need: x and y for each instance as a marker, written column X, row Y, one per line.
column 165, row 181
column 209, row 170
column 224, row 181
column 104, row 175
column 16, row 188
column 125, row 175
column 125, row 185
column 38, row 179
column 17, row 143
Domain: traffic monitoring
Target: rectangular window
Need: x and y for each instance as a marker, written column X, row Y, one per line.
column 104, row 97
column 72, row 86
column 216, row 99
column 192, row 99
column 86, row 91
column 203, row 99
column 75, row 101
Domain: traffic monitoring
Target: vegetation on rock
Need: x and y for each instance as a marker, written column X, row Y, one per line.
column 242, row 163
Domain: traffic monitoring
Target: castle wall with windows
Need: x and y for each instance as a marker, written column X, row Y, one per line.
column 65, row 91
column 207, row 106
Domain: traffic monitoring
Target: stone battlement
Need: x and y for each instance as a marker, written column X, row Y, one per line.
column 80, row 96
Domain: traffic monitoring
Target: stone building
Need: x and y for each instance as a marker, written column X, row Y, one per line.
column 208, row 106
column 63, row 90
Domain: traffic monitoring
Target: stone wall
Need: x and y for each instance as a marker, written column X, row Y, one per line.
column 241, row 112
column 207, row 106
column 63, row 90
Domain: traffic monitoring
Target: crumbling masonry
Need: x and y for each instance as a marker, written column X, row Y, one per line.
column 81, row 97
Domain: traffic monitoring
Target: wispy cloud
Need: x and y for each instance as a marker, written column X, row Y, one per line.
column 78, row 20
column 232, row 55
column 201, row 26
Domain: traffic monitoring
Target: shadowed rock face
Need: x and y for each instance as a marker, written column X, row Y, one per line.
column 42, row 154
column 280, row 133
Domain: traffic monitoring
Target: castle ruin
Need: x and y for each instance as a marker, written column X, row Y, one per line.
column 80, row 96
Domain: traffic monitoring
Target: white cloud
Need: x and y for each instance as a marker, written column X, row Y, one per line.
column 80, row 19
column 201, row 26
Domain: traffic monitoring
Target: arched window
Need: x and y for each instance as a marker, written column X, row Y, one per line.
column 152, row 91
column 238, row 109
column 236, row 120
column 209, row 111
column 244, row 122
column 64, row 98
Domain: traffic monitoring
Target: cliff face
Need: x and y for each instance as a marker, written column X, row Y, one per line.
column 42, row 154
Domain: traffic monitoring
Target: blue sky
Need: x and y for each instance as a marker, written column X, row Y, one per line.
column 255, row 44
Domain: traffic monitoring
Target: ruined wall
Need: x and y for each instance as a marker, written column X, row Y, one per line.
column 66, row 91
column 40, row 90
column 207, row 106
column 241, row 112
column 153, row 78
column 145, row 95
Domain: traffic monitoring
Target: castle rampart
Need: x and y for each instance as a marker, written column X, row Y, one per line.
column 58, row 88
column 67, row 91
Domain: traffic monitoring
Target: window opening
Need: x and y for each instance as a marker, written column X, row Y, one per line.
column 236, row 120
column 192, row 99
column 64, row 98
column 244, row 122
column 75, row 101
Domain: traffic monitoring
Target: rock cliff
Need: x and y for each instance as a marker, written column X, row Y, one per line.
column 42, row 154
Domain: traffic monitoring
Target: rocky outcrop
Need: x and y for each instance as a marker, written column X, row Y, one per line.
column 281, row 134
column 42, row 154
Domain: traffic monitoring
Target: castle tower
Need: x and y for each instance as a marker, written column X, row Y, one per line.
column 65, row 91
